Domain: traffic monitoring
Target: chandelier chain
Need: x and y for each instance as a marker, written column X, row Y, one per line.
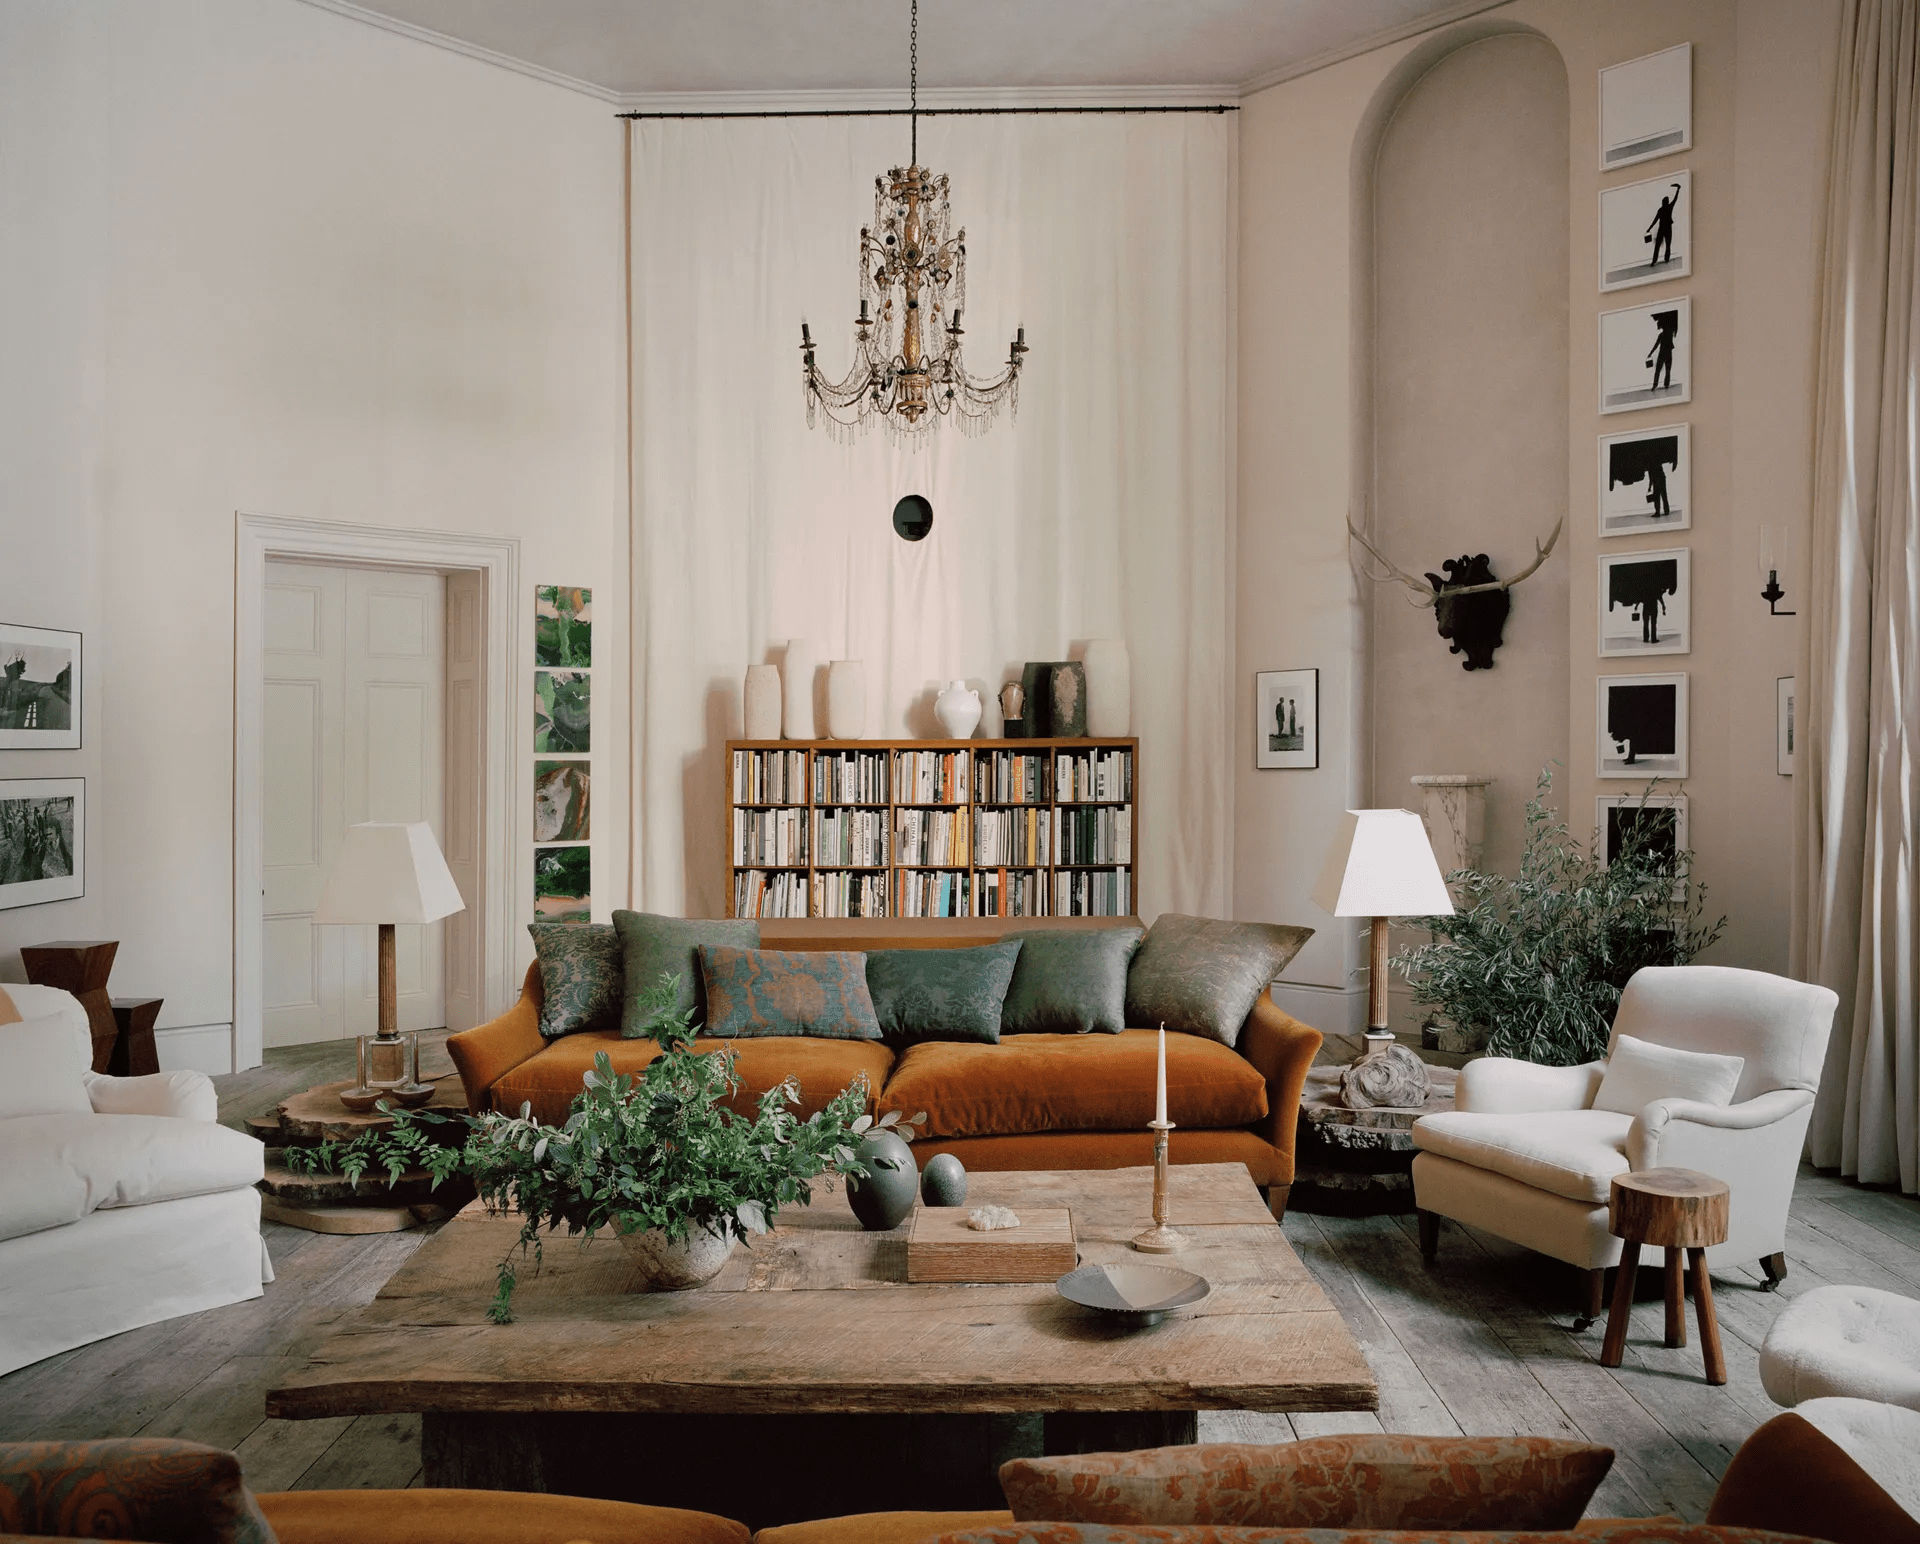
column 913, row 82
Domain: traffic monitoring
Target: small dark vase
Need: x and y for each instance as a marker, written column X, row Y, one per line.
column 883, row 1200
column 944, row 1183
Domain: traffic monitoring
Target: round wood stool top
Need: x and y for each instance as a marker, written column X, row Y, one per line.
column 1670, row 1208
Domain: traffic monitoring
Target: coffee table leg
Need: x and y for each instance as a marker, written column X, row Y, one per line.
column 1709, row 1325
column 1676, row 1301
column 474, row 1451
column 1613, row 1349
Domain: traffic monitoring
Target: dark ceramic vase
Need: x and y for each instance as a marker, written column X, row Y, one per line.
column 884, row 1199
column 945, row 1181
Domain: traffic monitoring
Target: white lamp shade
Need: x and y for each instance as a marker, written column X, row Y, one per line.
column 1382, row 865
column 389, row 871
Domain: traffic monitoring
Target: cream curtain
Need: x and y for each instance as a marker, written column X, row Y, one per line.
column 1102, row 511
column 1858, row 783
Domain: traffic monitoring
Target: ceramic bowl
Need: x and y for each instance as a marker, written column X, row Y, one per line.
column 1139, row 1295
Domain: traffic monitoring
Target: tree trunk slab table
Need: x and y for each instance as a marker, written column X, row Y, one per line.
column 913, row 1394
column 1358, row 1163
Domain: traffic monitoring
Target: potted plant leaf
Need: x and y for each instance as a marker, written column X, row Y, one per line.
column 658, row 1158
column 1536, row 962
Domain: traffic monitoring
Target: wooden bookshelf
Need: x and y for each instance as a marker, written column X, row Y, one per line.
column 932, row 830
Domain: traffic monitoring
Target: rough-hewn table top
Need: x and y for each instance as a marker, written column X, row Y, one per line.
column 819, row 1317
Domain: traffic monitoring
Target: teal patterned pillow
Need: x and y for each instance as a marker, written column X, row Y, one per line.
column 1070, row 981
column 822, row 993
column 1202, row 977
column 581, row 972
column 941, row 994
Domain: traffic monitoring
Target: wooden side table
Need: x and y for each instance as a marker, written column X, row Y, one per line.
column 134, row 1053
column 80, row 966
column 1675, row 1209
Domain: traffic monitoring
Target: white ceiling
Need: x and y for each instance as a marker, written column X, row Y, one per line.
column 636, row 50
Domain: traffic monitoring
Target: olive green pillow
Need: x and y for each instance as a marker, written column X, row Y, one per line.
column 652, row 946
column 941, row 994
column 583, row 984
column 1070, row 981
column 1202, row 977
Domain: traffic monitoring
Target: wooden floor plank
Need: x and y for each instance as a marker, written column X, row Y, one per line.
column 277, row 1453
column 1265, row 1426
column 375, row 1452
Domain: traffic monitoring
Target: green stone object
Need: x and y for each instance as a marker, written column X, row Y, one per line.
column 884, row 1199
column 945, row 1181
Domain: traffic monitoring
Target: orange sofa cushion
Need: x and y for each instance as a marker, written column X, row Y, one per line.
column 880, row 1527
column 551, row 1079
column 1031, row 1083
column 483, row 1517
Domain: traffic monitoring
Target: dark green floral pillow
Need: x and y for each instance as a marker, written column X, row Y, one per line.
column 656, row 946
column 941, row 994
column 1200, row 976
column 581, row 971
column 1070, row 981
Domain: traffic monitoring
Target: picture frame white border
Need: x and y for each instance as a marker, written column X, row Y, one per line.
column 40, row 892
column 1307, row 688
column 1681, row 710
column 1608, row 561
column 1785, row 727
column 1684, row 305
column 1685, row 114
column 69, row 739
column 1613, row 801
column 1682, row 474
column 1684, row 222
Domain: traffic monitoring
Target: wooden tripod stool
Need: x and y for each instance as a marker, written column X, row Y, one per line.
column 1675, row 1209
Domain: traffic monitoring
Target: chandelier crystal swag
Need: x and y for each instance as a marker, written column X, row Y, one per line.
column 907, row 367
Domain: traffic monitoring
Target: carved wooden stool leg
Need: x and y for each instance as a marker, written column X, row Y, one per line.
column 1613, row 1349
column 1676, row 1300
column 1709, row 1325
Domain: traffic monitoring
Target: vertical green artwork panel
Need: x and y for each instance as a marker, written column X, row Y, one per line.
column 563, row 884
column 562, row 801
column 563, row 626
column 562, row 710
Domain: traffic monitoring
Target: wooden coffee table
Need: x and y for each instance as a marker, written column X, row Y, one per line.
column 914, row 1393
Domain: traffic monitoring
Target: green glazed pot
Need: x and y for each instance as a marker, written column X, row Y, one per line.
column 884, row 1200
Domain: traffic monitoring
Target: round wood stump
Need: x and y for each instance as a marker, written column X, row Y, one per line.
column 319, row 1116
column 1675, row 1210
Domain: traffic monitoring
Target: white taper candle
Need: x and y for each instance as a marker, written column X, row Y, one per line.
column 1160, row 1087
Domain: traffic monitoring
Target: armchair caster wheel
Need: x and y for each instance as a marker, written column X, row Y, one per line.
column 1774, row 1268
column 1582, row 1324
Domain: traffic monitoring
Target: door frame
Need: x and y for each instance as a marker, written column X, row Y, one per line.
column 259, row 538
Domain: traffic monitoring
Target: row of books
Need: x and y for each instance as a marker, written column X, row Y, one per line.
column 1010, row 777
column 769, row 777
column 932, row 836
column 1012, row 836
column 770, row 893
column 1093, row 893
column 858, row 837
column 931, row 777
column 1102, row 835
column 1009, row 893
column 840, row 894
column 770, row 836
column 932, row 895
column 850, row 777
column 1084, row 776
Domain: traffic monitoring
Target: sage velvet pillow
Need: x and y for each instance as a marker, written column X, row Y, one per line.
column 1070, row 981
column 941, row 994
column 652, row 946
column 787, row 992
column 580, row 974
column 1202, row 977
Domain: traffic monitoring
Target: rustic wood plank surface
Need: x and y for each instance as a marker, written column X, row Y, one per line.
column 943, row 1246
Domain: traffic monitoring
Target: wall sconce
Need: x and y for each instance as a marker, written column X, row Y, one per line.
column 1768, row 565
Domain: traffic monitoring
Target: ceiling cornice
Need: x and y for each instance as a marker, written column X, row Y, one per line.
column 407, row 29
column 1367, row 45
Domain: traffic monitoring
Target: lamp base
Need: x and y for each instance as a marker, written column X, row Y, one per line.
column 1161, row 1240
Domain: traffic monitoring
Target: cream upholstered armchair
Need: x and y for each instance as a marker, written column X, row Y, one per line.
column 1526, row 1155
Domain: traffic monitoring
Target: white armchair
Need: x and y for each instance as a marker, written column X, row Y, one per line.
column 1525, row 1156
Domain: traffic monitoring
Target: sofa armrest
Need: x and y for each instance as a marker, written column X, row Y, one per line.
column 1667, row 1125
column 488, row 1052
column 1282, row 1049
column 183, row 1095
column 1502, row 1085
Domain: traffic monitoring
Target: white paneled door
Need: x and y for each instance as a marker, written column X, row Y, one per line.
column 355, row 730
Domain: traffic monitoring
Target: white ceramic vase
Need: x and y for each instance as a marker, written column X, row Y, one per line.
column 1109, row 687
column 665, row 1266
column 958, row 709
column 762, row 702
column 846, row 699
column 796, row 677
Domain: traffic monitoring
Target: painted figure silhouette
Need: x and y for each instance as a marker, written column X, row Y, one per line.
column 1660, row 357
column 1660, row 229
column 1657, row 489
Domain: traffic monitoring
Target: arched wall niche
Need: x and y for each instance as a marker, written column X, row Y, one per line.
column 1460, row 410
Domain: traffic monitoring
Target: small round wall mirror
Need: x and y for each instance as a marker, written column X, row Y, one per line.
column 912, row 517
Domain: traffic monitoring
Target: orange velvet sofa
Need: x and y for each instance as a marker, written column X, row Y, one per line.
column 1034, row 1101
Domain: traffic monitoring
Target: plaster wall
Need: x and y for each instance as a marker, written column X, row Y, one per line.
column 257, row 256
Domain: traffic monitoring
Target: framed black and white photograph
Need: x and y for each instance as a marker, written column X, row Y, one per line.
column 39, row 689
column 1642, row 726
column 1646, row 356
column 1646, row 603
column 1784, row 726
column 1286, row 719
column 1646, row 481
column 43, row 840
column 1657, row 820
column 1646, row 231
column 1646, row 107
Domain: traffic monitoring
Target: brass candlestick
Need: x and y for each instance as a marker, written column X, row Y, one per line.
column 1160, row 1239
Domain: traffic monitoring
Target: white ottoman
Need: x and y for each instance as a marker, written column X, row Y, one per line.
column 1844, row 1342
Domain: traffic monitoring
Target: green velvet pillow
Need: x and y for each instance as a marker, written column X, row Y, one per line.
column 1070, row 981
column 1202, row 977
column 818, row 992
column 941, row 994
column 653, row 946
column 581, row 975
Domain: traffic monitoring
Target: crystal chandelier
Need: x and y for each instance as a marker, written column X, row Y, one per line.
column 907, row 368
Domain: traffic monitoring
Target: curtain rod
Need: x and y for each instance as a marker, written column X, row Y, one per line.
column 939, row 112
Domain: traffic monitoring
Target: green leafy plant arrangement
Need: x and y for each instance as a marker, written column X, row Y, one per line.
column 659, row 1151
column 1540, row 959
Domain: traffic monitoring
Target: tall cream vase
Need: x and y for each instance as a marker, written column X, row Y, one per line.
column 796, row 678
column 846, row 699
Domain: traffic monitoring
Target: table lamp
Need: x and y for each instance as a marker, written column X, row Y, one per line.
column 388, row 873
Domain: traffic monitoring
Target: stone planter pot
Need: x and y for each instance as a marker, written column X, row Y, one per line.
column 883, row 1200
column 668, row 1266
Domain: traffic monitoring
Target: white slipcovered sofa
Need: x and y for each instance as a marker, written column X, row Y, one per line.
column 1526, row 1155
column 122, row 1201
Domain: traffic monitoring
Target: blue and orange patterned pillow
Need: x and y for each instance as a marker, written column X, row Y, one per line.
column 128, row 1488
column 787, row 992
